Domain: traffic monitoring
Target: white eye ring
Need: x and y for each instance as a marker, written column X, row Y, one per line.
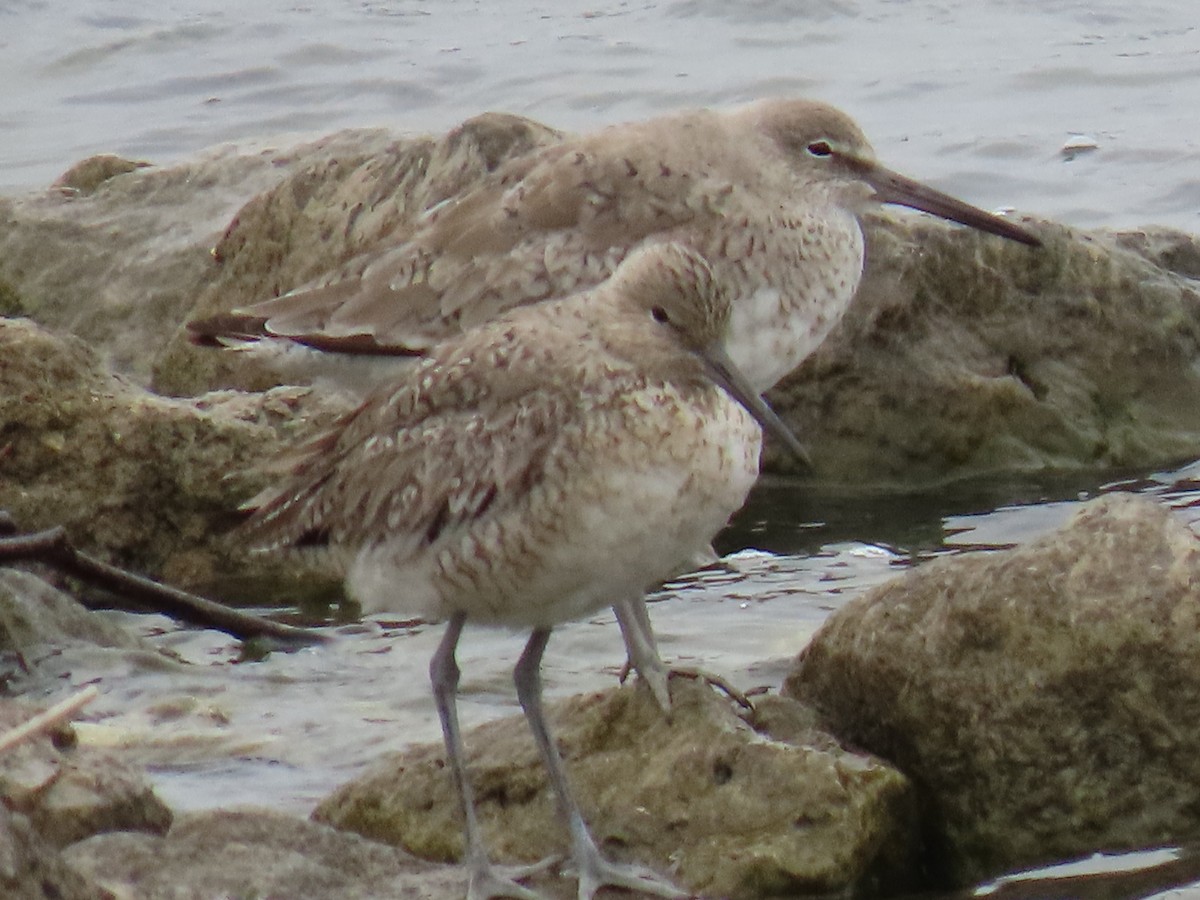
column 819, row 149
column 659, row 314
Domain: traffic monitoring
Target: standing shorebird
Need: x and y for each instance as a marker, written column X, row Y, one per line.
column 768, row 193
column 529, row 472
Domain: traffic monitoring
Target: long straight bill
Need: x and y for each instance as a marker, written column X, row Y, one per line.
column 726, row 374
column 892, row 187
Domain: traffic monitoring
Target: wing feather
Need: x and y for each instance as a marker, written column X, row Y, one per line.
column 546, row 224
column 430, row 456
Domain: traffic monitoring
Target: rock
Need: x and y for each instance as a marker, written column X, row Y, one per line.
column 148, row 483
column 1045, row 701
column 31, row 869
column 249, row 853
column 34, row 614
column 963, row 355
column 69, row 791
column 121, row 265
column 86, row 176
column 323, row 216
column 724, row 809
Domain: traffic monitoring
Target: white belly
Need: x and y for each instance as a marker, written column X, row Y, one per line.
column 616, row 522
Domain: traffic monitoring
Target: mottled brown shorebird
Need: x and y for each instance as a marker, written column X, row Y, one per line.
column 769, row 193
column 529, row 472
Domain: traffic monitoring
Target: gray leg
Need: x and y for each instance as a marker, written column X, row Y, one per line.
column 642, row 649
column 486, row 880
column 593, row 870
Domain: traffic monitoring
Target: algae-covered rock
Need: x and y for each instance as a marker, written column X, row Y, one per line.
column 724, row 809
column 1045, row 700
column 70, row 791
column 146, row 482
column 33, row 869
column 257, row 853
column 964, row 354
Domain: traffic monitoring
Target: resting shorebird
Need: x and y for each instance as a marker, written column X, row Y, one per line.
column 528, row 472
column 768, row 193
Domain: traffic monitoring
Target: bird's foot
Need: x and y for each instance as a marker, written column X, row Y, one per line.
column 656, row 678
column 657, row 681
column 713, row 680
column 595, row 872
column 489, row 881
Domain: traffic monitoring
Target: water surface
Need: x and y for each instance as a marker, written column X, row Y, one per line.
column 979, row 97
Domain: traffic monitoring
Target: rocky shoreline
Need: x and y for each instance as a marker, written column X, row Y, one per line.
column 970, row 717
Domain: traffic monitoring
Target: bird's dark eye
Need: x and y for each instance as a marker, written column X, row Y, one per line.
column 659, row 314
column 819, row 148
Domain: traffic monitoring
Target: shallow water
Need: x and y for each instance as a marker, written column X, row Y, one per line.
column 285, row 731
column 980, row 98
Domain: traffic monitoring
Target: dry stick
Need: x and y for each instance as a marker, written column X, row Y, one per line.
column 47, row 719
column 53, row 547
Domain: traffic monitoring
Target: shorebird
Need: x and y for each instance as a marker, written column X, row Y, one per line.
column 528, row 472
column 768, row 193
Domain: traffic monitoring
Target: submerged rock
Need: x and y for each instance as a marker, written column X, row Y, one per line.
column 34, row 614
column 726, row 807
column 1045, row 701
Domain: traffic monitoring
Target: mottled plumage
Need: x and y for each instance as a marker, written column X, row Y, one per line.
column 504, row 443
column 535, row 469
column 768, row 193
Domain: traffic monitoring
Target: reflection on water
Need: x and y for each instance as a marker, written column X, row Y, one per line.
column 789, row 516
column 1160, row 873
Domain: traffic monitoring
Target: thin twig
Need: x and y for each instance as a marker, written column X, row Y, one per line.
column 47, row 719
column 53, row 547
